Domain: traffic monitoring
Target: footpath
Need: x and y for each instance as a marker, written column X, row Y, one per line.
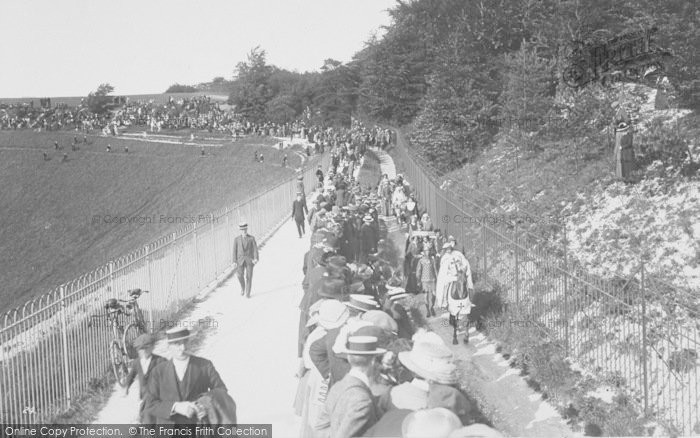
column 252, row 342
column 503, row 396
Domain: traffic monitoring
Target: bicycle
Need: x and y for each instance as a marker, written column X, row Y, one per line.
column 121, row 350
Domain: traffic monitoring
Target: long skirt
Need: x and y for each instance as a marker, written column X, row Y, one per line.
column 315, row 396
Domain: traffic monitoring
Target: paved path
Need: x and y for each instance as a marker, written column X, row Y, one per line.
column 503, row 395
column 252, row 342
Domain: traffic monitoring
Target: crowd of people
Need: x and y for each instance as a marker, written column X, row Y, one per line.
column 364, row 368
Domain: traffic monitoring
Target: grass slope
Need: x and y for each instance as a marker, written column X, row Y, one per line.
column 58, row 217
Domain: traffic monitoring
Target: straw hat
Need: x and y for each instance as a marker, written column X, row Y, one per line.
column 178, row 334
column 362, row 303
column 363, row 345
column 396, row 293
column 436, row 422
column 431, row 361
column 243, row 225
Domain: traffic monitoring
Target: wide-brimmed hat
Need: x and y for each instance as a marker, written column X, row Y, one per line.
column 396, row 293
column 332, row 314
column 431, row 362
column 367, row 218
column 448, row 245
column 243, row 225
column 381, row 319
column 313, row 312
column 362, row 345
column 362, row 303
column 383, row 336
column 144, row 341
column 178, row 334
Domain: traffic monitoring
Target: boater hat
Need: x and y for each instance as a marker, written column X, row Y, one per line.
column 243, row 225
column 363, row 345
column 362, row 303
column 178, row 334
column 396, row 293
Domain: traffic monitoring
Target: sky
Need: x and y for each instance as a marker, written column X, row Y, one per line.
column 69, row 47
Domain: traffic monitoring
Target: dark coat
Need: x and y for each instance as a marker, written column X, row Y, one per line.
column 164, row 389
column 350, row 408
column 137, row 371
column 298, row 209
column 245, row 249
column 219, row 407
column 368, row 239
column 328, row 364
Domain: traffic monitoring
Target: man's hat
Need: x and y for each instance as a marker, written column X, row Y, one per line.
column 144, row 341
column 367, row 218
column 364, row 272
column 362, row 303
column 243, row 225
column 178, row 334
column 300, row 177
column 396, row 293
column 363, row 345
column 448, row 245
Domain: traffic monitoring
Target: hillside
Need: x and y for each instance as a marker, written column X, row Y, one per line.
column 559, row 186
column 60, row 219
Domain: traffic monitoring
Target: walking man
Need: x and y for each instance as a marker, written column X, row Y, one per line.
column 142, row 369
column 298, row 209
column 176, row 384
column 245, row 256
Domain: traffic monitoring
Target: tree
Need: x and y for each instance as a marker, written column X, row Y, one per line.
column 98, row 101
column 252, row 92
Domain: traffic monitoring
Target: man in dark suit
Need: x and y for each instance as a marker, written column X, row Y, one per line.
column 368, row 239
column 174, row 385
column 350, row 408
column 245, row 256
column 143, row 366
column 298, row 210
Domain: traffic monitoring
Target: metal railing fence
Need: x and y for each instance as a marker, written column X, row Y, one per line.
column 631, row 330
column 55, row 347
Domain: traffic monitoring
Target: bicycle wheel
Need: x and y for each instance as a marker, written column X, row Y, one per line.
column 118, row 360
column 133, row 331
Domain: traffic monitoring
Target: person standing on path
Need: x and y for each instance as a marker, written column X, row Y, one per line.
column 245, row 256
column 142, row 369
column 176, row 384
column 298, row 209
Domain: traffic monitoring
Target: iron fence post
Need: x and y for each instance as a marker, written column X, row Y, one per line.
column 566, row 296
column 150, row 285
column 64, row 342
column 483, row 247
column 644, row 344
column 517, row 265
column 213, row 236
column 229, row 246
column 196, row 253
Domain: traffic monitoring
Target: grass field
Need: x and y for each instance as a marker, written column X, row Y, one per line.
column 75, row 100
column 60, row 219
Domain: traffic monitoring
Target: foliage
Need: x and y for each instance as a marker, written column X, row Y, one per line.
column 669, row 146
column 98, row 101
column 177, row 88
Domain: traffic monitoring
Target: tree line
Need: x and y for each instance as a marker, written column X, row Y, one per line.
column 442, row 64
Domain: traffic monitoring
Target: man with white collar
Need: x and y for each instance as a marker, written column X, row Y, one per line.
column 142, row 368
column 175, row 384
column 350, row 408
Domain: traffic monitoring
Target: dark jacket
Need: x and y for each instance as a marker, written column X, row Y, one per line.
column 245, row 249
column 328, row 364
column 137, row 371
column 219, row 407
column 164, row 389
column 298, row 209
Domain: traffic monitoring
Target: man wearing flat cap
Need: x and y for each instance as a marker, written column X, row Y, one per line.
column 176, row 384
column 245, row 256
column 142, row 368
